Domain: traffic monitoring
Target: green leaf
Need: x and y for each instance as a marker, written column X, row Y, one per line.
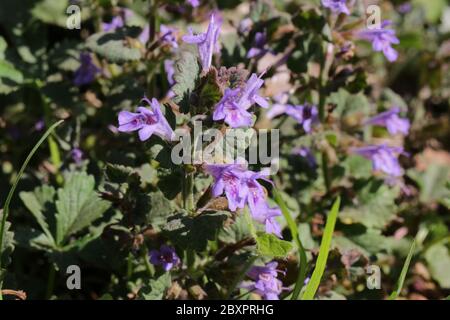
column 7, row 247
column 194, row 232
column 38, row 203
column 438, row 260
column 375, row 206
column 236, row 231
column 156, row 288
column 295, row 235
column 317, row 274
column 186, row 76
column 52, row 12
column 10, row 77
column 77, row 206
column 433, row 9
column 402, row 277
column 270, row 246
column 114, row 45
column 432, row 182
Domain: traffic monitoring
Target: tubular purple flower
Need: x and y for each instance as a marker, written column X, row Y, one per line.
column 384, row 158
column 168, row 35
column 116, row 22
column 390, row 119
column 165, row 257
column 229, row 110
column 169, row 68
column 206, row 42
column 306, row 115
column 382, row 40
column 146, row 121
column 87, row 70
column 194, row 3
column 233, row 106
column 265, row 282
column 336, row 6
column 259, row 46
column 229, row 178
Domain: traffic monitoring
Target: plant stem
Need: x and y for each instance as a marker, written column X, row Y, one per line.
column 50, row 282
column 326, row 172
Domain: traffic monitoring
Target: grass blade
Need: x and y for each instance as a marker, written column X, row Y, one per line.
column 402, row 277
column 13, row 188
column 301, row 251
column 321, row 263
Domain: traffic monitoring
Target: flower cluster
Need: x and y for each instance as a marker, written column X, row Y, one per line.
column 265, row 281
column 234, row 105
column 241, row 187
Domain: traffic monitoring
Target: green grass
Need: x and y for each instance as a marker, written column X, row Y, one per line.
column 316, row 277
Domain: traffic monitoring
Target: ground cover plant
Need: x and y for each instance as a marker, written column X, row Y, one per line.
column 212, row 149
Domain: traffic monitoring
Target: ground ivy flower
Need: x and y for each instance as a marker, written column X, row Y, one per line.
column 336, row 6
column 234, row 105
column 194, row 3
column 390, row 119
column 206, row 42
column 306, row 115
column 87, row 70
column 168, row 35
column 383, row 157
column 266, row 215
column 77, row 155
column 265, row 282
column 231, row 111
column 169, row 68
column 229, row 179
column 165, row 257
column 146, row 121
column 117, row 21
column 259, row 46
column 382, row 39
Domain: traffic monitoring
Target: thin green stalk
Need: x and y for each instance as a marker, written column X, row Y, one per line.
column 325, row 171
column 50, row 281
column 148, row 266
column 13, row 188
column 301, row 251
column 402, row 277
column 316, row 277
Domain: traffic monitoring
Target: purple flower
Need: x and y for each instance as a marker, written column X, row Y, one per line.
column 382, row 40
column 229, row 110
column 193, row 3
column 165, row 257
column 259, row 46
column 77, row 155
column 168, row 35
column 391, row 121
column 147, row 121
column 144, row 35
column 265, row 282
column 384, row 158
column 39, row 125
column 233, row 106
column 306, row 115
column 117, row 21
column 169, row 68
column 404, row 7
column 206, row 42
column 306, row 153
column 336, row 6
column 229, row 178
column 87, row 70
column 250, row 96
